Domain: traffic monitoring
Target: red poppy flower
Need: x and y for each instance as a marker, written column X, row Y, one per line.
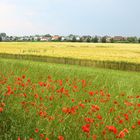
column 42, row 135
column 133, row 126
column 99, row 117
column 112, row 129
column 138, row 122
column 1, row 109
column 36, row 130
column 121, row 134
column 91, row 93
column 86, row 128
column 95, row 108
column 89, row 120
column 94, row 137
column 23, row 76
column 60, row 138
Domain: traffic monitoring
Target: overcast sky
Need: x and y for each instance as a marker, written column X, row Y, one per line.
column 83, row 17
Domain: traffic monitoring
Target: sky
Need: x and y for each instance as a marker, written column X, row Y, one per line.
column 64, row 17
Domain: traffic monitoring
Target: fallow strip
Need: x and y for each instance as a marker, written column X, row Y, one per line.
column 127, row 66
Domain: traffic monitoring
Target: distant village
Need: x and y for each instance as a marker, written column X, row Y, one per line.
column 70, row 38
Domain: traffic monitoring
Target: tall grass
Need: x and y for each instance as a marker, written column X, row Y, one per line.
column 127, row 66
column 56, row 101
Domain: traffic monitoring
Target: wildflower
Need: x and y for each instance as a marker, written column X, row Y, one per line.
column 120, row 121
column 29, row 80
column 104, row 132
column 60, row 138
column 99, row 117
column 86, row 128
column 1, row 109
column 42, row 135
column 128, row 103
column 138, row 122
column 36, row 96
column 47, row 139
column 41, row 83
column 25, row 95
column 126, row 130
column 3, row 104
column 91, row 93
column 82, row 105
column 19, row 79
column 60, row 82
column 89, row 120
column 94, row 137
column 121, row 134
column 83, row 83
column 111, row 110
column 72, row 100
column 36, row 130
column 126, row 117
column 23, row 76
column 112, row 128
column 133, row 126
column 95, row 108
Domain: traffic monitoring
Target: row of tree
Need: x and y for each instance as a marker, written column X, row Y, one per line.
column 73, row 38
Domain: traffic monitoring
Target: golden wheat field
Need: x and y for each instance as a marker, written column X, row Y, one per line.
column 89, row 51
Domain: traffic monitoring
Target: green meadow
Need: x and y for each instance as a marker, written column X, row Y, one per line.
column 46, row 101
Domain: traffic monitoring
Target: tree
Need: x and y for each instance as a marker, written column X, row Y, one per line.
column 112, row 40
column 139, row 40
column 103, row 40
column 81, row 40
column 3, row 34
column 132, row 39
column 73, row 39
column 0, row 38
column 88, row 39
column 47, row 35
column 95, row 39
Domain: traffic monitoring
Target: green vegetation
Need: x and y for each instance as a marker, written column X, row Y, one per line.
column 55, row 101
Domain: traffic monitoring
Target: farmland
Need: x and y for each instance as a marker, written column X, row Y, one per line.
column 114, row 56
column 90, row 51
column 55, row 101
column 48, row 101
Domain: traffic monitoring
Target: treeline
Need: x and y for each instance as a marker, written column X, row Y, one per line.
column 69, row 38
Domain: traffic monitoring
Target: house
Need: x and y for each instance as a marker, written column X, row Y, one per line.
column 56, row 38
column 77, row 38
column 108, row 39
column 118, row 38
column 85, row 38
column 36, row 38
column 63, row 38
column 45, row 39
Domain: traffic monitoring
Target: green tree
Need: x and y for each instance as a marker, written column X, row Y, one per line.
column 88, row 39
column 95, row 39
column 0, row 38
column 103, row 40
column 3, row 34
column 139, row 40
column 47, row 35
column 132, row 39
column 81, row 40
column 112, row 40
column 73, row 39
